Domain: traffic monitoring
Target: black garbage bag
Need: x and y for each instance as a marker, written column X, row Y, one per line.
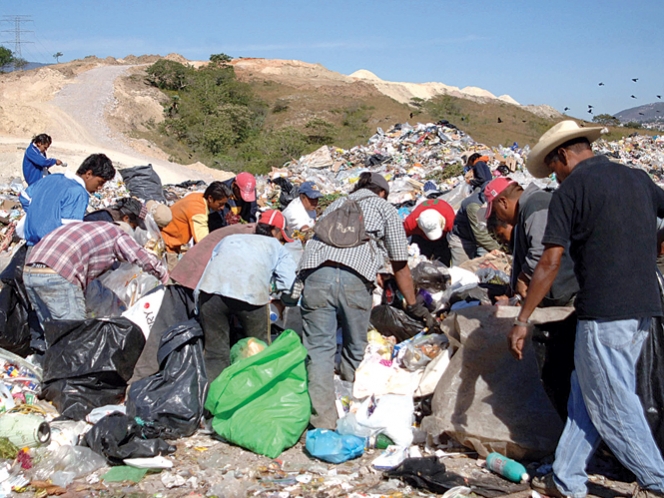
column 143, row 182
column 192, row 183
column 88, row 363
column 174, row 398
column 650, row 376
column 117, row 436
column 288, row 191
column 430, row 474
column 20, row 331
column 426, row 275
column 391, row 321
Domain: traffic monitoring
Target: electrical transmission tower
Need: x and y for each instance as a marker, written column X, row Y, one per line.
column 17, row 23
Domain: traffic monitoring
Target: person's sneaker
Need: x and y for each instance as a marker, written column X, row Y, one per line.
column 545, row 485
column 640, row 492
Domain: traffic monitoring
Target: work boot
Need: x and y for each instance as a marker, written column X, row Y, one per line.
column 640, row 492
column 545, row 485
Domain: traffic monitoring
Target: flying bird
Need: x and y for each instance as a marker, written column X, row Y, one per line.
column 659, row 96
column 566, row 109
column 590, row 111
column 635, row 80
column 632, row 96
column 589, row 106
column 601, row 84
column 641, row 114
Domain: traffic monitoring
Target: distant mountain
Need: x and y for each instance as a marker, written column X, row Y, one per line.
column 30, row 65
column 648, row 113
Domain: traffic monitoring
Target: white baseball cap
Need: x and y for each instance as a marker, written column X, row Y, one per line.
column 432, row 223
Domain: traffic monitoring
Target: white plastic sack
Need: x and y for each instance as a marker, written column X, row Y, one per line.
column 129, row 283
column 144, row 312
column 392, row 416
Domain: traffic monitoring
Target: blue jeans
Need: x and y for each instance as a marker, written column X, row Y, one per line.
column 603, row 405
column 329, row 294
column 54, row 297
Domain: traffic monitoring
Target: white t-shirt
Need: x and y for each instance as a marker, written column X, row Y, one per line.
column 297, row 216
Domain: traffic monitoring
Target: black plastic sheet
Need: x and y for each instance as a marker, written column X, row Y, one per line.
column 117, row 437
column 88, row 363
column 174, row 398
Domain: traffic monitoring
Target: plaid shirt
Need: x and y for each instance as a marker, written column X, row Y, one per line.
column 381, row 222
column 81, row 251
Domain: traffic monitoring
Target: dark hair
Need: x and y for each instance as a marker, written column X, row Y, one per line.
column 365, row 182
column 576, row 144
column 127, row 206
column 264, row 229
column 99, row 164
column 42, row 138
column 472, row 158
column 493, row 223
column 217, row 190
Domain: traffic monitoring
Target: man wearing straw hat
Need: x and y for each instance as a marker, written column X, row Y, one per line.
column 607, row 212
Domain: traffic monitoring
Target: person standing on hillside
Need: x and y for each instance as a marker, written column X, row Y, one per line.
column 62, row 198
column 607, row 213
column 35, row 162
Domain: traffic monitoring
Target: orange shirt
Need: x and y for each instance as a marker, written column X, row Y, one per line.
column 190, row 220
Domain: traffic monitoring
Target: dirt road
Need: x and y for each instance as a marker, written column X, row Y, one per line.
column 75, row 116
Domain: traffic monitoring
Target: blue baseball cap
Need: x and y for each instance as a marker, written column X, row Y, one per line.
column 310, row 189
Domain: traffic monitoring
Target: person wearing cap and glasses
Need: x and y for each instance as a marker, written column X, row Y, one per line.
column 338, row 286
column 607, row 213
column 190, row 218
column 242, row 204
column 427, row 224
column 300, row 213
column 238, row 280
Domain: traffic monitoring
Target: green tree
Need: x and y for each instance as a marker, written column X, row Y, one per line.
column 6, row 57
column 220, row 59
column 57, row 56
column 606, row 120
column 168, row 75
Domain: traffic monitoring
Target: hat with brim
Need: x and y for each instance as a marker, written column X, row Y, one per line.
column 555, row 137
column 432, row 223
column 276, row 219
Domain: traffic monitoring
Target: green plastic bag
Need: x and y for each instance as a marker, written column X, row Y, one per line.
column 261, row 403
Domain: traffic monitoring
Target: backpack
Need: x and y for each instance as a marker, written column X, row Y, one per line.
column 343, row 227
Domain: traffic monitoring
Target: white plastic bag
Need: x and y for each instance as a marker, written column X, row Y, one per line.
column 391, row 414
column 129, row 283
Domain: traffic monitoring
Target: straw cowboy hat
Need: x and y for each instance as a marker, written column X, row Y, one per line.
column 555, row 137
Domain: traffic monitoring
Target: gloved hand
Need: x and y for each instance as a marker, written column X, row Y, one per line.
column 420, row 312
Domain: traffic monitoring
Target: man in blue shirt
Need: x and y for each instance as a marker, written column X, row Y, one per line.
column 35, row 162
column 62, row 198
column 238, row 281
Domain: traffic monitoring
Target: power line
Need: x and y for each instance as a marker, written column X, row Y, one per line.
column 17, row 22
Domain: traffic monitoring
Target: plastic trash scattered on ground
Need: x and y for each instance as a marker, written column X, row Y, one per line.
column 506, row 467
column 330, row 446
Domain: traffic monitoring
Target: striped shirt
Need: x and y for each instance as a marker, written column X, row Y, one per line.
column 387, row 239
column 81, row 251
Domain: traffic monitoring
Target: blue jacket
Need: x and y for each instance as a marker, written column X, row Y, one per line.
column 35, row 164
column 248, row 211
column 52, row 202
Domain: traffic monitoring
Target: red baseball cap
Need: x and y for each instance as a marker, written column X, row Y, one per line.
column 274, row 218
column 247, row 184
column 493, row 189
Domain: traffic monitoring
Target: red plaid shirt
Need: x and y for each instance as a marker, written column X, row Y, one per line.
column 81, row 251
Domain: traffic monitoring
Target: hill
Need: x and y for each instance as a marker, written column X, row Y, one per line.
column 649, row 113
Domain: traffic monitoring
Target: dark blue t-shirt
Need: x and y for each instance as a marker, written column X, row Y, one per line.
column 608, row 213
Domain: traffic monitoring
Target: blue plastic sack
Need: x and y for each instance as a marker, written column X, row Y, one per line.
column 332, row 447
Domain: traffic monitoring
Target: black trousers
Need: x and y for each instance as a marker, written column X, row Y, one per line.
column 214, row 313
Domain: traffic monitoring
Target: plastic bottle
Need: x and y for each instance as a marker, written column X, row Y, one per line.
column 381, row 442
column 506, row 467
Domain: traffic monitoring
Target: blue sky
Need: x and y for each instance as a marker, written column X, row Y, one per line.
column 537, row 51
